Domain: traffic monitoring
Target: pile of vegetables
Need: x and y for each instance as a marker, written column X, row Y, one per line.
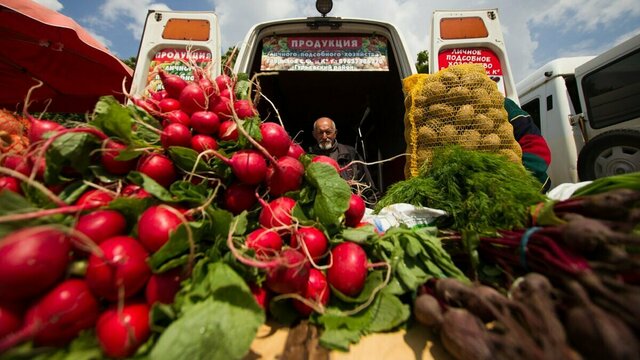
column 173, row 227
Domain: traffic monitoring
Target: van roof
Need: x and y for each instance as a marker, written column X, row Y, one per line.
column 558, row 67
column 610, row 55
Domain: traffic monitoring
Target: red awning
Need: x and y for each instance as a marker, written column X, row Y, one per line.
column 76, row 69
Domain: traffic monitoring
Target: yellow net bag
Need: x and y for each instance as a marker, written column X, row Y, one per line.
column 458, row 105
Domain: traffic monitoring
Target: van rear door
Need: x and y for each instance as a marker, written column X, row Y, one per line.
column 471, row 36
column 171, row 38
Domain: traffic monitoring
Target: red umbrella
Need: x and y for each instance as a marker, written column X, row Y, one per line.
column 39, row 43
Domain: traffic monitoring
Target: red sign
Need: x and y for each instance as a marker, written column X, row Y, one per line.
column 483, row 56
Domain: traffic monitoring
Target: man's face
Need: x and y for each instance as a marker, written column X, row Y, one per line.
column 325, row 134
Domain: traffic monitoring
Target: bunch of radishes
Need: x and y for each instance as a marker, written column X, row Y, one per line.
column 45, row 299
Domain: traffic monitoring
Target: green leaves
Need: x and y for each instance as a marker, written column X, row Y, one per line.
column 69, row 151
column 332, row 193
column 221, row 326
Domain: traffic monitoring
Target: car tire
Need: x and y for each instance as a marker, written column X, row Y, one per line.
column 611, row 153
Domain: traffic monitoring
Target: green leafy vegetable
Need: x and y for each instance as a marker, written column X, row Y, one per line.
column 332, row 193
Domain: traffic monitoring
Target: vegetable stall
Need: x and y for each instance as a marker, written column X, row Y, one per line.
column 184, row 226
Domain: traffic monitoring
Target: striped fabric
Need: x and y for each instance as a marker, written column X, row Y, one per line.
column 536, row 155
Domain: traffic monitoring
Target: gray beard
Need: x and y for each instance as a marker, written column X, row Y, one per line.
column 326, row 145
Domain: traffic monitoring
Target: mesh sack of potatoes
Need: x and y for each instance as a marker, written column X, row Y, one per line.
column 458, row 105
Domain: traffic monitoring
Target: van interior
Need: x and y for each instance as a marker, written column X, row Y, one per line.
column 367, row 107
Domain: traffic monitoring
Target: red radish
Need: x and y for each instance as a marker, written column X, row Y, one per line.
column 227, row 93
column 201, row 143
column 265, row 242
column 10, row 319
column 58, row 317
column 349, row 269
column 314, row 239
column 32, row 260
column 159, row 95
column 207, row 86
column 223, row 82
column 249, row 166
column 355, row 212
column 285, row 175
column 120, row 333
column 222, row 107
column 244, row 109
column 40, row 166
column 136, row 191
column 158, row 167
column 175, row 135
column 10, row 184
column 295, row 150
column 277, row 212
column 292, row 275
column 173, row 84
column 101, row 225
column 168, row 104
column 326, row 160
column 176, row 116
column 18, row 163
column 317, row 291
column 39, row 128
column 108, row 159
column 261, row 295
column 192, row 99
column 163, row 287
column 155, row 225
column 205, row 122
column 239, row 197
column 275, row 139
column 94, row 198
column 228, row 131
column 145, row 104
column 122, row 266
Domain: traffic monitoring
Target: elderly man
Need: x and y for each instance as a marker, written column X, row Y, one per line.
column 325, row 132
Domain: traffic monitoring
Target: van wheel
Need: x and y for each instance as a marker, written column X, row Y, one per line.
column 611, row 153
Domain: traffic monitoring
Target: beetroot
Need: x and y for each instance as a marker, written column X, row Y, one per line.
column 317, row 291
column 111, row 150
column 349, row 270
column 173, row 84
column 192, row 99
column 175, row 135
column 123, row 265
column 10, row 183
column 155, row 225
column 158, row 167
column 239, row 197
column 275, row 139
column 277, row 212
column 285, row 175
column 244, row 109
column 201, row 143
column 314, row 239
column 121, row 333
column 205, row 122
column 101, row 225
column 32, row 260
column 163, row 287
column 265, row 242
column 292, row 275
column 355, row 212
column 228, row 131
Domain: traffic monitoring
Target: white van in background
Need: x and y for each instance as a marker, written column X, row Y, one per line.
column 588, row 109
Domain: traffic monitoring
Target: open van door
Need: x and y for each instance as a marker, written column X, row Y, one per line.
column 471, row 36
column 171, row 38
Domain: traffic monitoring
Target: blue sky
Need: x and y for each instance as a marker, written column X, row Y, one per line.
column 535, row 31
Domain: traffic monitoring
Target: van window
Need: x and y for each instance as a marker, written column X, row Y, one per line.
column 612, row 93
column 533, row 108
column 572, row 89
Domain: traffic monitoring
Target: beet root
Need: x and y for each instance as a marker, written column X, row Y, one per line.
column 464, row 335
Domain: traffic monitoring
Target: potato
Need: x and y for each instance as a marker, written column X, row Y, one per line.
column 448, row 134
column 490, row 85
column 472, row 79
column 409, row 83
column 496, row 99
column 418, row 114
column 511, row 155
column 480, row 99
column 505, row 131
column 448, row 78
column 424, row 156
column 465, row 115
column 470, row 139
column 434, row 91
column 490, row 142
column 459, row 95
column 498, row 116
column 440, row 112
column 427, row 135
column 483, row 123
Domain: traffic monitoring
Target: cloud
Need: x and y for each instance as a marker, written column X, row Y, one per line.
column 54, row 5
column 586, row 15
column 131, row 14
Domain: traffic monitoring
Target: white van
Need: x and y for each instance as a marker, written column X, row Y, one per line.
column 588, row 109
